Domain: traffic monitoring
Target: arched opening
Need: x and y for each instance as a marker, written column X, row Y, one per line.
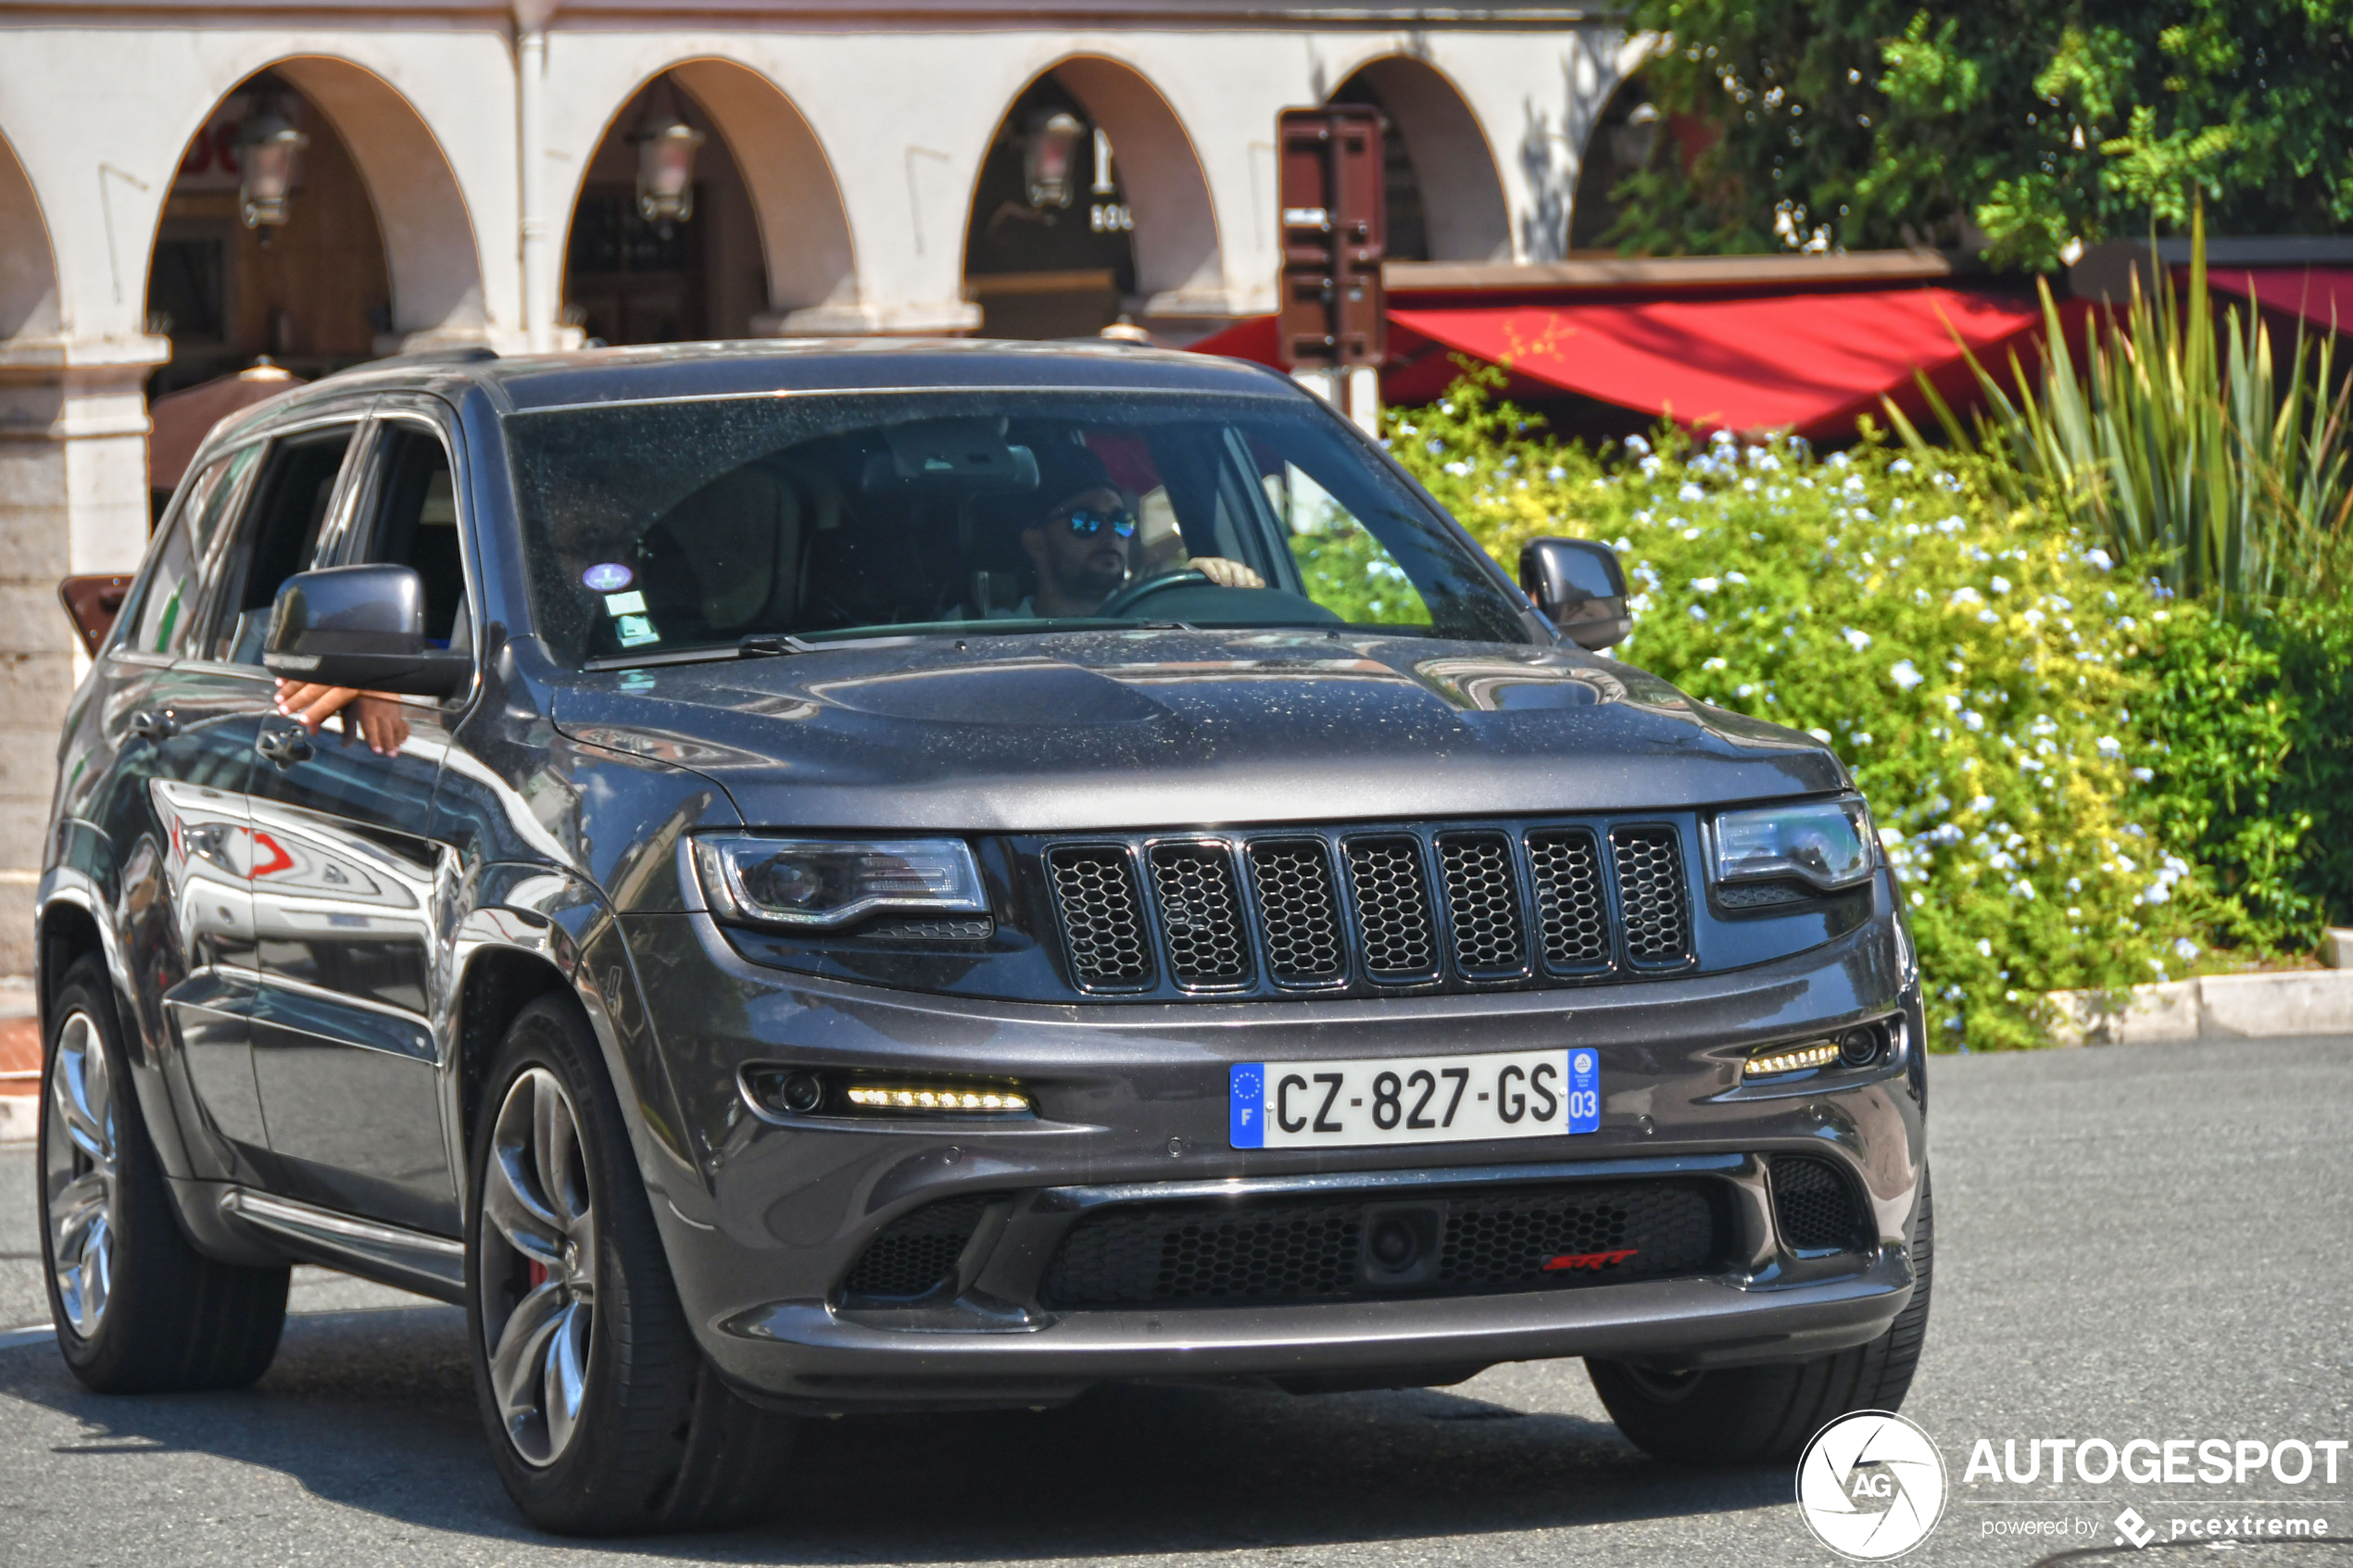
column 28, row 267
column 708, row 245
column 1623, row 141
column 1091, row 206
column 301, row 277
column 312, row 220
column 1445, row 198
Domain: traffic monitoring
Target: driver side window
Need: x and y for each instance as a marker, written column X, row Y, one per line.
column 410, row 519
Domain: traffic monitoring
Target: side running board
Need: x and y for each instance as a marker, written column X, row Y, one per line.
column 430, row 1265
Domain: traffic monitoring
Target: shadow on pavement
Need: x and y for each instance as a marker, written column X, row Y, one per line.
column 374, row 1411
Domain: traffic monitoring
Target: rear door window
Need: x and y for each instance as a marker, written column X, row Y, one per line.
column 167, row 603
column 280, row 537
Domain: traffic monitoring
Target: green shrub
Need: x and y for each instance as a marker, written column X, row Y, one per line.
column 2179, row 445
column 2253, row 722
column 1976, row 666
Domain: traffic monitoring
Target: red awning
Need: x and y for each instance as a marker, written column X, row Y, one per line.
column 1810, row 362
column 2322, row 295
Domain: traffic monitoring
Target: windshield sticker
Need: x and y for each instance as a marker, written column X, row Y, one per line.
column 632, row 603
column 607, row 577
column 635, row 631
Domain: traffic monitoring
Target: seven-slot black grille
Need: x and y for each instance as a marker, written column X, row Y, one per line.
column 1651, row 895
column 1482, row 902
column 1200, row 914
column 1103, row 919
column 1570, row 910
column 1298, row 912
column 1468, row 905
column 1274, row 1249
column 1392, row 908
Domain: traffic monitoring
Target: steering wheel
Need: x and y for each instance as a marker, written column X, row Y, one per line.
column 1119, row 604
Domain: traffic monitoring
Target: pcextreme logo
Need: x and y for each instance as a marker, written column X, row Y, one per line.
column 1870, row 1486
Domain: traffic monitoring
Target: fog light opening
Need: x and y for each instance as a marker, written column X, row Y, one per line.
column 1860, row 1048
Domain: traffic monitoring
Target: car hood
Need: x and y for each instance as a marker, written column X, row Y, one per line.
column 1157, row 728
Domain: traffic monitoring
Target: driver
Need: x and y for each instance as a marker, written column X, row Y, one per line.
column 1080, row 543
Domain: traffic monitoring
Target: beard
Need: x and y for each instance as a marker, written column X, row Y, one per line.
column 1096, row 577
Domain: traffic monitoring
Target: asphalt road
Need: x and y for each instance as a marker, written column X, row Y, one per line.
column 2135, row 1242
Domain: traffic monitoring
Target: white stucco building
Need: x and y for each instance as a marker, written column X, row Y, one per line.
column 467, row 178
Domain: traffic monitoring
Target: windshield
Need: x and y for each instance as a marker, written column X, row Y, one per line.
column 657, row 529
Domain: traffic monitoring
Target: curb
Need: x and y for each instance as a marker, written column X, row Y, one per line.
column 20, row 1117
column 2214, row 1006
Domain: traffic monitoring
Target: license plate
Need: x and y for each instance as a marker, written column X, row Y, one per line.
column 1409, row 1099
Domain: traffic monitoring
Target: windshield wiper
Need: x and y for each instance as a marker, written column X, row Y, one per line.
column 771, row 642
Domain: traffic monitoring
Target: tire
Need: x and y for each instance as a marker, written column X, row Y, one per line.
column 1766, row 1414
column 138, row 1309
column 603, row 1415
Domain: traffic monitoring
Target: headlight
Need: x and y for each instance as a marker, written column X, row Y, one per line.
column 1827, row 843
column 817, row 884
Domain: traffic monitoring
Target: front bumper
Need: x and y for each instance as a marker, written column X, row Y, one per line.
column 1133, row 1110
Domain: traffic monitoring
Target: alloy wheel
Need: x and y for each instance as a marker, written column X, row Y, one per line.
column 538, row 1267
column 78, row 1172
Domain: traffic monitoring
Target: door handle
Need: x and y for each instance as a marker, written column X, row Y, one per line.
column 284, row 747
column 160, row 724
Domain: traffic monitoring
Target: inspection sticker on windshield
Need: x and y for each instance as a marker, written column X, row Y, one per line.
column 1414, row 1099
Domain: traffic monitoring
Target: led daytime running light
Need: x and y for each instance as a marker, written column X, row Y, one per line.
column 1821, row 1053
column 937, row 1099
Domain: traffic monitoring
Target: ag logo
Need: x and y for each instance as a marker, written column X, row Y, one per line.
column 1872, row 1485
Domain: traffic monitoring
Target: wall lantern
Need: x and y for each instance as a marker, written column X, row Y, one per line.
column 1049, row 155
column 267, row 147
column 1631, row 144
column 666, row 147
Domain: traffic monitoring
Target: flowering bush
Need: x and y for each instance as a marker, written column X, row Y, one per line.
column 1974, row 665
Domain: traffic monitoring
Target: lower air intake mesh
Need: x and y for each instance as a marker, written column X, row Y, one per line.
column 1814, row 1205
column 916, row 1253
column 1308, row 1249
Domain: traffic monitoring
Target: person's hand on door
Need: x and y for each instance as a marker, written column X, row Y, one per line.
column 374, row 715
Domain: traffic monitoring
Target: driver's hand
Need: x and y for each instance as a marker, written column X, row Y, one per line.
column 1227, row 573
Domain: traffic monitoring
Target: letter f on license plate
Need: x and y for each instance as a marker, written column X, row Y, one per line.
column 1414, row 1099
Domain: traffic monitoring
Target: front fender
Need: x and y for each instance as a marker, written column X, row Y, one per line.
column 560, row 919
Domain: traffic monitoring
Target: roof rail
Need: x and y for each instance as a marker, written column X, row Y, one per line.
column 467, row 354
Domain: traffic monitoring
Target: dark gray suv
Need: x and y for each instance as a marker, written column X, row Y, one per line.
column 899, row 876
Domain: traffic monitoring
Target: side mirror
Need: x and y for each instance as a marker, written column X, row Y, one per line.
column 1581, row 588
column 361, row 626
column 93, row 602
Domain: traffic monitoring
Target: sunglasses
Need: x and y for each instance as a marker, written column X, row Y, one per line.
column 1085, row 522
